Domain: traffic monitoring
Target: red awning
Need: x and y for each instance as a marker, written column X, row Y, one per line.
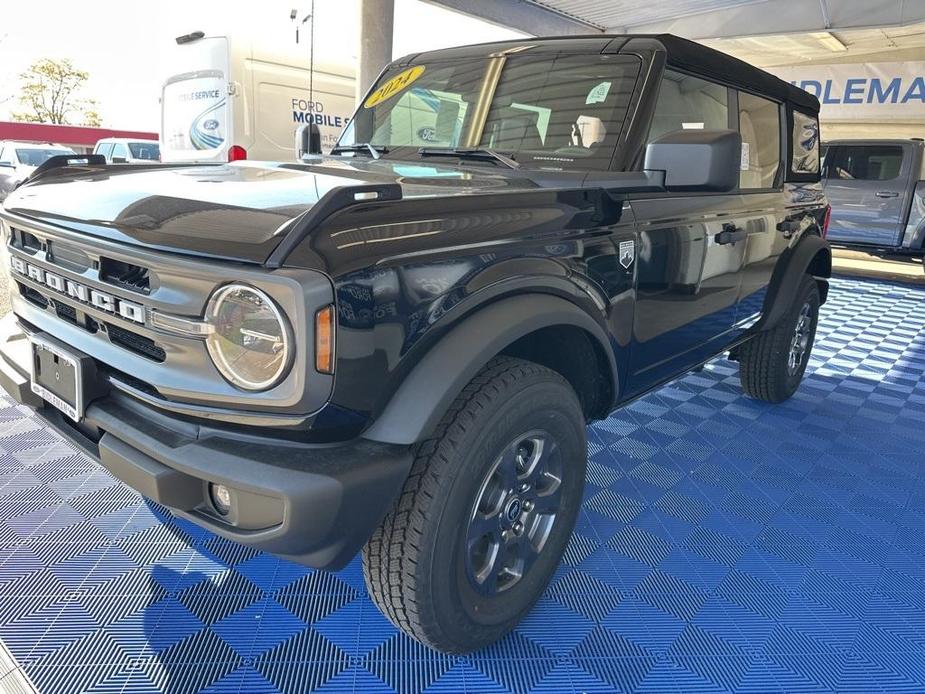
column 65, row 134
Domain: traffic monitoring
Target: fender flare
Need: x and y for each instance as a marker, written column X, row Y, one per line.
column 429, row 389
column 786, row 278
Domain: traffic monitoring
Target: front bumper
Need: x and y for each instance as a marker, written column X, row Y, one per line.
column 314, row 504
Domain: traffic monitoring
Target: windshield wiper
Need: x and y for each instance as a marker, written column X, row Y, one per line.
column 469, row 153
column 374, row 151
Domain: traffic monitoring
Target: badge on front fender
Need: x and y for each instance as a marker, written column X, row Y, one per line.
column 627, row 253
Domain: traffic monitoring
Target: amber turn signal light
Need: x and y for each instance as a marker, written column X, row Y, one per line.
column 324, row 340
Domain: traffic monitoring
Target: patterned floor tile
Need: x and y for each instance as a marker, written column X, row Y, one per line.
column 724, row 545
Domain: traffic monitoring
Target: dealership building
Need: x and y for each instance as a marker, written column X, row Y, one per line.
column 79, row 138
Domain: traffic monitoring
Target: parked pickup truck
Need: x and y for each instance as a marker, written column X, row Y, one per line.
column 397, row 347
column 877, row 192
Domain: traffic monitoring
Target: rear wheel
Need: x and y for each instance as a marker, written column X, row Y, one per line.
column 486, row 513
column 772, row 363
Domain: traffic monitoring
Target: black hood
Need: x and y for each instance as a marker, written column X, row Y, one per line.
column 235, row 211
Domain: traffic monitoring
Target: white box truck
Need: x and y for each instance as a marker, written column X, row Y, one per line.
column 227, row 98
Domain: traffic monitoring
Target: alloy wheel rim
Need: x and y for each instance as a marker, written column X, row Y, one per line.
column 514, row 513
column 799, row 343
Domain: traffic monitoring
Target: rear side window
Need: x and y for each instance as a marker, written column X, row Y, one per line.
column 759, row 124
column 867, row 163
column 688, row 103
column 806, row 159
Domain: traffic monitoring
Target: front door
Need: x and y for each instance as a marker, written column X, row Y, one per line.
column 867, row 186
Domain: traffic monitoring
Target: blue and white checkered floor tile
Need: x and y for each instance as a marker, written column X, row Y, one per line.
column 725, row 544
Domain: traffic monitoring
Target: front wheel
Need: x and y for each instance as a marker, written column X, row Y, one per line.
column 486, row 512
column 772, row 363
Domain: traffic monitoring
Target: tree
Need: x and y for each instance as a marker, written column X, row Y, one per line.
column 50, row 92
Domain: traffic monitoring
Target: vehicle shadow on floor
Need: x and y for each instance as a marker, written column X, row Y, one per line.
column 190, row 592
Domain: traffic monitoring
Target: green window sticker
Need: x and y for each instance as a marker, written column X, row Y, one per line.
column 598, row 95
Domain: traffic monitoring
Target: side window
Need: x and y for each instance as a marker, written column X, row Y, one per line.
column 105, row 149
column 119, row 150
column 867, row 163
column 759, row 124
column 686, row 102
column 805, row 144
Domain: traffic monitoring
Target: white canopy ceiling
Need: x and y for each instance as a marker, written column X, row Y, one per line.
column 762, row 32
column 698, row 19
column 694, row 19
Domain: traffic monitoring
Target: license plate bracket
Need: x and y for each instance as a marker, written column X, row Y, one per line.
column 61, row 376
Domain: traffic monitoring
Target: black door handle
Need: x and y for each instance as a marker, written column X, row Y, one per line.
column 887, row 194
column 730, row 234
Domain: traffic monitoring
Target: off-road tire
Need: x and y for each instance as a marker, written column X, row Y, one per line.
column 414, row 563
column 763, row 360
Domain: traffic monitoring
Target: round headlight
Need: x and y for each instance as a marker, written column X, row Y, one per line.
column 250, row 342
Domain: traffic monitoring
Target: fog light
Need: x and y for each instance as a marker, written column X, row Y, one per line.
column 221, row 498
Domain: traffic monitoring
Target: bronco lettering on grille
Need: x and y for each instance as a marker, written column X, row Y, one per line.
column 101, row 300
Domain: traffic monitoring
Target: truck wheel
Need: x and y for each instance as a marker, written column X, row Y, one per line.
column 486, row 512
column 772, row 363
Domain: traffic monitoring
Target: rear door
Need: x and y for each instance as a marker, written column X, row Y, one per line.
column 868, row 188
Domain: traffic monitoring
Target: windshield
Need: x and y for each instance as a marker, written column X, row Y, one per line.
column 145, row 150
column 560, row 112
column 37, row 157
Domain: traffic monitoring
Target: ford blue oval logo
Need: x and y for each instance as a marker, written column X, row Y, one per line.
column 427, row 134
column 210, row 124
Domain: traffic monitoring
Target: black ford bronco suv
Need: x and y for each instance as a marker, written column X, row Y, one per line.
column 397, row 346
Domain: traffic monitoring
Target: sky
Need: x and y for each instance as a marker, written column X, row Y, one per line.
column 123, row 44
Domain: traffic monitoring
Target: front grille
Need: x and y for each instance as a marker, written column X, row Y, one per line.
column 135, row 343
column 119, row 336
column 99, row 296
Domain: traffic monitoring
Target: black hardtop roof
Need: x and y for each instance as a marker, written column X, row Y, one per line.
column 681, row 53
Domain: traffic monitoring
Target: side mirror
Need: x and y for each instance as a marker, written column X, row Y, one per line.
column 119, row 160
column 307, row 140
column 697, row 160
